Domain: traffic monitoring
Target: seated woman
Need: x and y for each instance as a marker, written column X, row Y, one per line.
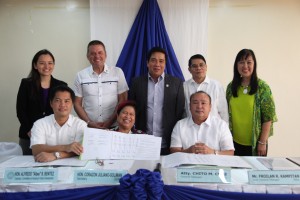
column 126, row 118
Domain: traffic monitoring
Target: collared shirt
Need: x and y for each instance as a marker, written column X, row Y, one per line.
column 215, row 91
column 100, row 92
column 48, row 131
column 214, row 132
column 155, row 99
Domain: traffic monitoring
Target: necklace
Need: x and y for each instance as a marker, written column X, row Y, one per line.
column 245, row 91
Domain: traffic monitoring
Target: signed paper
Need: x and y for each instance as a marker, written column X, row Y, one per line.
column 104, row 144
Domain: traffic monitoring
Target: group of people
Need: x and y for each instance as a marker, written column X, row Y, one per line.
column 195, row 116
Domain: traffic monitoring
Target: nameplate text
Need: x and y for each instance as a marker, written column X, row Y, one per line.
column 30, row 175
column 98, row 176
column 279, row 177
column 203, row 175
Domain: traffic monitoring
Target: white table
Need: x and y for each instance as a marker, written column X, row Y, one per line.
column 239, row 179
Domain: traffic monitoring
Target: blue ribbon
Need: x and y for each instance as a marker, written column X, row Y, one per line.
column 144, row 184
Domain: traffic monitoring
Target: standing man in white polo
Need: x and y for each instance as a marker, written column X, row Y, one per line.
column 99, row 89
column 201, row 82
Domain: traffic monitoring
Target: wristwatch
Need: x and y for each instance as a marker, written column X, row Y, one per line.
column 216, row 152
column 57, row 155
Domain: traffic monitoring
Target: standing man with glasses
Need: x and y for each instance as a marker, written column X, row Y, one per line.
column 201, row 82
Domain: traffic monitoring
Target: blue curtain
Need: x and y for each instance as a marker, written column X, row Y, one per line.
column 147, row 31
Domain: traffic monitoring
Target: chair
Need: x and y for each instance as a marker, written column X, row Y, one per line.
column 10, row 149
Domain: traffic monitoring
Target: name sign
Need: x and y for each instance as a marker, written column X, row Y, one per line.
column 98, row 176
column 30, row 175
column 203, row 175
column 274, row 177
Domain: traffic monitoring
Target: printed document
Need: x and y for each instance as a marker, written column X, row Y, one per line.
column 105, row 144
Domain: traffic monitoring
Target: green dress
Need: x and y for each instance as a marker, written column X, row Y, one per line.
column 264, row 111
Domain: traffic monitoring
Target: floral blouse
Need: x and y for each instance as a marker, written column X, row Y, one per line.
column 264, row 111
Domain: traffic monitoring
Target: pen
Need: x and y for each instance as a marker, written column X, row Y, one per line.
column 157, row 168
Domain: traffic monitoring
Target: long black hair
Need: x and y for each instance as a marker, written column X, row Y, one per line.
column 237, row 79
column 34, row 75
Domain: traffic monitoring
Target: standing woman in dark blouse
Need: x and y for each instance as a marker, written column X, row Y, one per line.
column 33, row 99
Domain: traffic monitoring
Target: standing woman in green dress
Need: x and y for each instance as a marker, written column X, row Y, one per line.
column 251, row 107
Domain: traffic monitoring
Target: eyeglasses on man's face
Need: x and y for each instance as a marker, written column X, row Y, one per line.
column 201, row 66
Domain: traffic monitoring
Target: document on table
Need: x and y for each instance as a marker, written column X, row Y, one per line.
column 28, row 161
column 278, row 164
column 118, row 164
column 104, row 144
column 177, row 159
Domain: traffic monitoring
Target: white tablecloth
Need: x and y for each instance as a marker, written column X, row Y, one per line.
column 239, row 179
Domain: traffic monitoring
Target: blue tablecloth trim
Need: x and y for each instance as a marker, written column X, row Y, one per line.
column 90, row 193
column 187, row 192
column 144, row 184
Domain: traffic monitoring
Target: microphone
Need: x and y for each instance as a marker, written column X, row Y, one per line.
column 157, row 168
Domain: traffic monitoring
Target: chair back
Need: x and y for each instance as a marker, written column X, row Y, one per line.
column 10, row 149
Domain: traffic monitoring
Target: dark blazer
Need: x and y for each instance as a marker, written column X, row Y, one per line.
column 173, row 105
column 30, row 107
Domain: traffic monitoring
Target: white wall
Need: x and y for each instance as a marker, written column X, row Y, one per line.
column 270, row 27
column 28, row 26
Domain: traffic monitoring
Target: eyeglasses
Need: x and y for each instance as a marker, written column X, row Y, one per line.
column 201, row 66
column 99, row 162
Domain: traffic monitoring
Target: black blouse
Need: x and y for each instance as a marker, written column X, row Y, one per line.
column 31, row 107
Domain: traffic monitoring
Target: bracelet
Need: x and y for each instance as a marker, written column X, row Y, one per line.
column 263, row 143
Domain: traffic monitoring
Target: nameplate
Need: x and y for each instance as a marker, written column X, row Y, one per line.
column 98, row 176
column 203, row 175
column 30, row 175
column 279, row 177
